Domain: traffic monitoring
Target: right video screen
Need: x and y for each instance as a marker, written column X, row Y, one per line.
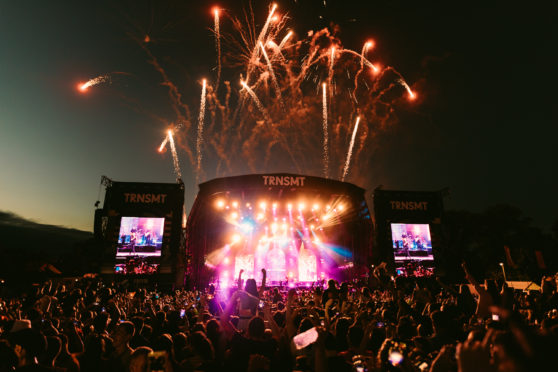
column 412, row 249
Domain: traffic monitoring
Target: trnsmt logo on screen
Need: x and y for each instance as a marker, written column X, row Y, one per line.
column 409, row 205
column 283, row 181
column 145, row 198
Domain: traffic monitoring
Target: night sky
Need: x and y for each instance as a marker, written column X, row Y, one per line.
column 484, row 124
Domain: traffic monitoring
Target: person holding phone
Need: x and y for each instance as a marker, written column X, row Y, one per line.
column 253, row 342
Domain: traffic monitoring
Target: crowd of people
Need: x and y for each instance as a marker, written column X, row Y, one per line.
column 378, row 324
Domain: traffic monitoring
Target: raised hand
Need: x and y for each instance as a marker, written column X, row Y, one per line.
column 474, row 356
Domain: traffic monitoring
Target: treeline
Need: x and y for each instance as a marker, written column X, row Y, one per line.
column 499, row 234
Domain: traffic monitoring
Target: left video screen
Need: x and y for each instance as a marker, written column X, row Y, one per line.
column 140, row 236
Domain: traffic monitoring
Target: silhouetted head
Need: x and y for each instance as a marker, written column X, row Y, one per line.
column 256, row 328
column 251, row 287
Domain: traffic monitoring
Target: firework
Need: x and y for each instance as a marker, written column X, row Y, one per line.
column 362, row 59
column 365, row 47
column 83, row 87
column 331, row 64
column 256, row 100
column 285, row 39
column 217, row 46
column 261, row 37
column 164, row 143
column 272, row 73
column 275, row 129
column 174, row 155
column 412, row 95
column 350, row 152
column 324, row 125
column 199, row 142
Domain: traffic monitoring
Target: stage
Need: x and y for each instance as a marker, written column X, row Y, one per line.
column 301, row 229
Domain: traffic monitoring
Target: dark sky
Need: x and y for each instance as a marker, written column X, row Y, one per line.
column 484, row 126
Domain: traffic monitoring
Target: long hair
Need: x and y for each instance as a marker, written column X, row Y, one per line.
column 251, row 287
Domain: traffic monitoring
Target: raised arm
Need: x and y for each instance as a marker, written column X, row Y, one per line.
column 275, row 330
column 239, row 284
column 289, row 325
column 470, row 278
column 226, row 325
column 262, row 288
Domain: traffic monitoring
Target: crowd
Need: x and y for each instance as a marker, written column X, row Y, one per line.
column 379, row 324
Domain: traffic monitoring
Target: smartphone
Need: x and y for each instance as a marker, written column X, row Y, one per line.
column 305, row 338
column 182, row 313
column 495, row 317
column 261, row 305
column 156, row 360
column 380, row 324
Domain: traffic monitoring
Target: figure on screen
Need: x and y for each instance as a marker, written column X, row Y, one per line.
column 133, row 240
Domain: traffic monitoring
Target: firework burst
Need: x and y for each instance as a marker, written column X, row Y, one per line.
column 278, row 120
column 83, row 87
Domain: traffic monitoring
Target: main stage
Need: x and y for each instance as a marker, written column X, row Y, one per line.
column 301, row 229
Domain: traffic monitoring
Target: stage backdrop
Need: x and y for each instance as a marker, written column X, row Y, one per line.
column 300, row 228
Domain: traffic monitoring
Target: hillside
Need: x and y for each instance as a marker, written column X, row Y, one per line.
column 26, row 246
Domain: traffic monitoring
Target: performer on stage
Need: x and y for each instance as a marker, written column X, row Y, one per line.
column 147, row 237
column 133, row 240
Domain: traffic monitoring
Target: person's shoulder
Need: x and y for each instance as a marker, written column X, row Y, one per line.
column 238, row 337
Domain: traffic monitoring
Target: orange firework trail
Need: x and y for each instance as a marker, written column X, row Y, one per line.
column 92, row 82
column 174, row 155
column 366, row 46
column 272, row 73
column 324, row 129
column 164, row 143
column 285, row 39
column 330, row 72
column 199, row 142
column 217, row 46
column 412, row 95
column 261, row 37
column 362, row 59
column 350, row 152
column 256, row 101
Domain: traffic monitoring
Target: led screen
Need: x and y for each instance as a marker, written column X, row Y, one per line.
column 298, row 240
column 140, row 236
column 411, row 242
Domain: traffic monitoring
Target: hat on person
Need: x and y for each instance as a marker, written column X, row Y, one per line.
column 20, row 324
